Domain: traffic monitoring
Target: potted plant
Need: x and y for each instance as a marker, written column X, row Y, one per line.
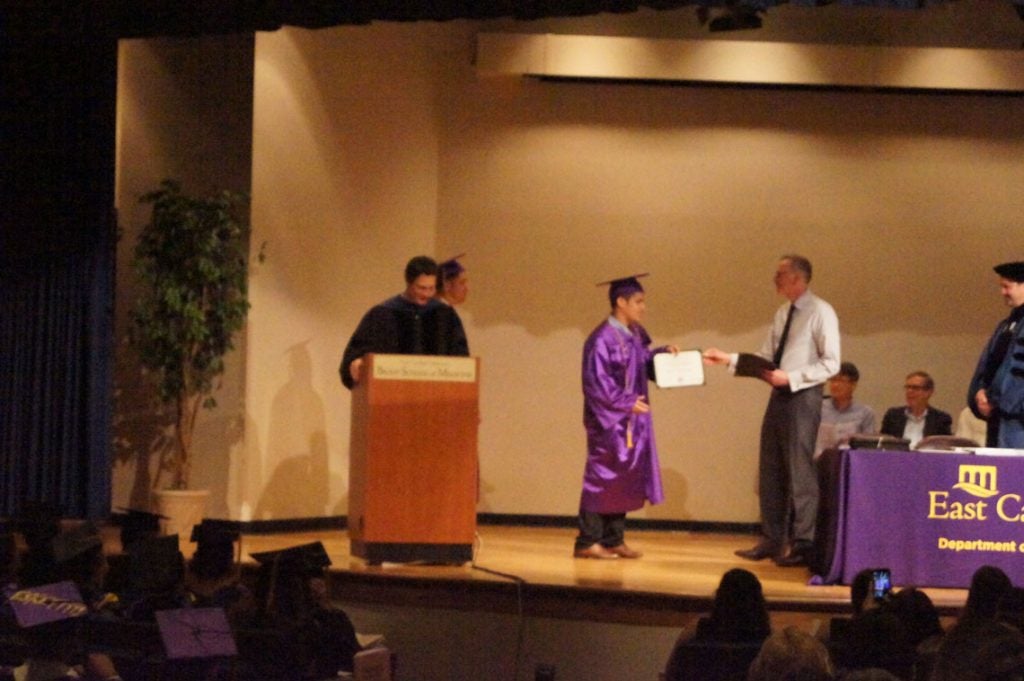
column 191, row 260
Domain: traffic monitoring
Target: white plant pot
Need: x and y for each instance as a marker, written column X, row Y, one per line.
column 182, row 508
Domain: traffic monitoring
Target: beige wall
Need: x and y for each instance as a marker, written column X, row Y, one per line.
column 372, row 144
column 184, row 111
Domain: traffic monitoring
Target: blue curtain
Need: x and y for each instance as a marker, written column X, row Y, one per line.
column 58, row 89
column 55, row 338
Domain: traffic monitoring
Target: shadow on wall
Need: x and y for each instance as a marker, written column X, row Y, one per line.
column 677, row 496
column 297, row 443
column 143, row 429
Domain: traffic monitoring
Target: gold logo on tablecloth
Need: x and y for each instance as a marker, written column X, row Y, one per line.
column 978, row 481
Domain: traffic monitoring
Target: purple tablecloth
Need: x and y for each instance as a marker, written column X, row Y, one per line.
column 933, row 519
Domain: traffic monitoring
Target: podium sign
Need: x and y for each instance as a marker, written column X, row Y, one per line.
column 413, row 459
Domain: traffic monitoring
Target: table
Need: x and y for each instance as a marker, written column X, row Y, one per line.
column 932, row 518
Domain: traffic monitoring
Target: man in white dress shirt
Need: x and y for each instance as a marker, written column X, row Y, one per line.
column 803, row 345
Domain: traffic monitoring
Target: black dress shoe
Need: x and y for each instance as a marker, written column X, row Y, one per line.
column 759, row 552
column 798, row 555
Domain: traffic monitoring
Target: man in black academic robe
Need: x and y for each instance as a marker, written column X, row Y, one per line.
column 411, row 323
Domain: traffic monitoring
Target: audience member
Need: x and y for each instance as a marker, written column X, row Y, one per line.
column 980, row 649
column 921, row 624
column 213, row 578
column 157, row 579
column 136, row 526
column 39, row 524
column 988, row 585
column 291, row 597
column 918, row 614
column 918, row 419
column 791, row 655
column 841, row 416
column 1011, row 608
column 862, row 599
column 739, row 614
column 862, row 595
column 58, row 649
column 876, row 638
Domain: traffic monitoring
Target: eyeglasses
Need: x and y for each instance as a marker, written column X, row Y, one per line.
column 911, row 386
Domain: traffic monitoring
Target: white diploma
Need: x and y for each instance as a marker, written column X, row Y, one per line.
column 683, row 369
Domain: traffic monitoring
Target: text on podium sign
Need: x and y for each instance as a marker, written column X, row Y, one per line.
column 424, row 368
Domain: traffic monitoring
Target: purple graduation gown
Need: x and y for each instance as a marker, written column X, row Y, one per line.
column 618, row 478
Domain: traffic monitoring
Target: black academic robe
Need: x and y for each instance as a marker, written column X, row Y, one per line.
column 400, row 327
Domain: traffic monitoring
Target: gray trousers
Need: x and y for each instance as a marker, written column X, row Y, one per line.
column 788, row 482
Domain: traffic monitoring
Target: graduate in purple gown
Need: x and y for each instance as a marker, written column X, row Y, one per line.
column 622, row 469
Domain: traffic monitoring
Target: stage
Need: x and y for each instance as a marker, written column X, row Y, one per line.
column 530, row 570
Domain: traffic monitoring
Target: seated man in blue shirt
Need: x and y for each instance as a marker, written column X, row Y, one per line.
column 841, row 416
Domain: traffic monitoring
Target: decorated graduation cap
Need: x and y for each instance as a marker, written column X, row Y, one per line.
column 308, row 559
column 76, row 542
column 1014, row 271
column 451, row 267
column 624, row 287
column 47, row 603
column 195, row 633
column 136, row 525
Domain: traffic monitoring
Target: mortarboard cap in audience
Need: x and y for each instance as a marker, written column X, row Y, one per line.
column 136, row 525
column 38, row 522
column 214, row 532
column 77, row 541
column 156, row 563
column 195, row 633
column 309, row 558
column 624, row 287
column 1014, row 271
column 215, row 546
column 451, row 267
column 47, row 603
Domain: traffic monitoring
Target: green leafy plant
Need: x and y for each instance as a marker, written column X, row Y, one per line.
column 192, row 263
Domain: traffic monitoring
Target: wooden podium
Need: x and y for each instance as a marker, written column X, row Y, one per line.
column 413, row 459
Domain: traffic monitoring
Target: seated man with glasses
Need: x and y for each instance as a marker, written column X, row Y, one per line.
column 841, row 416
column 918, row 419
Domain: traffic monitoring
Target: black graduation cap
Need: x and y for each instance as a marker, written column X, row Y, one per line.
column 156, row 563
column 451, row 267
column 215, row 547
column 1014, row 271
column 71, row 544
column 211, row 532
column 309, row 558
column 136, row 525
column 38, row 522
column 624, row 286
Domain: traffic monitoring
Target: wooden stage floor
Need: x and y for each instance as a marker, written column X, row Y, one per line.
column 531, row 570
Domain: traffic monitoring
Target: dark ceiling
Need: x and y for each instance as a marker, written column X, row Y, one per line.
column 140, row 18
